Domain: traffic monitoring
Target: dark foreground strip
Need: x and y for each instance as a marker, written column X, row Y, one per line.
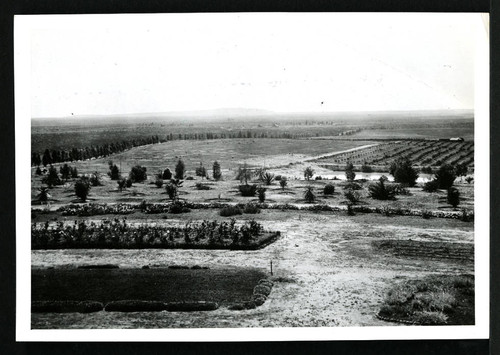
column 66, row 306
column 260, row 294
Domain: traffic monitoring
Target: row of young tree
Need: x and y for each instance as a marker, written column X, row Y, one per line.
column 59, row 156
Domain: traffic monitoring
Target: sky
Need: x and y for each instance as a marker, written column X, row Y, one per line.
column 115, row 64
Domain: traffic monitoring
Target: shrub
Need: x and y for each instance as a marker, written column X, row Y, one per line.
column 383, row 178
column 349, row 172
column 251, row 208
column 426, row 170
column 329, row 189
column 248, row 190
column 267, row 178
column 52, row 179
column 403, row 171
column 431, row 186
column 82, row 189
column 461, row 169
column 172, row 190
column 122, row 184
column 466, row 217
column 44, row 195
column 180, row 169
column 283, row 183
column 216, row 171
column 230, row 211
column 400, row 189
column 159, row 183
column 114, row 172
column 38, row 171
column 189, row 178
column 178, row 207
column 469, row 179
column 167, row 174
column 426, row 214
column 381, row 191
column 261, row 193
column 318, row 177
column 309, row 194
column 128, row 183
column 308, row 173
column 365, row 168
column 201, row 171
column 278, row 177
column 453, row 197
column 352, row 196
column 350, row 210
column 138, row 174
column 445, row 176
column 200, row 186
column 95, row 179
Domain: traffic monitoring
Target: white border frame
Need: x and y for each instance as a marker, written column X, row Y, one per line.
column 23, row 27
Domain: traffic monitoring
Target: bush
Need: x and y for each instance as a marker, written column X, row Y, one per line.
column 431, row 186
column 191, row 306
column 247, row 190
column 469, row 179
column 466, row 217
column 65, row 171
column 349, row 172
column 350, row 210
column 318, row 177
column 426, row 170
column 329, row 189
column 230, row 211
column 159, row 183
column 251, row 208
column 128, row 183
column 38, row 171
column 52, row 179
column 283, row 183
column 82, row 189
column 172, row 190
column 445, row 176
column 426, row 214
column 308, row 173
column 278, row 177
column 95, row 179
column 267, row 178
column 138, row 174
column 400, row 189
column 261, row 193
column 180, row 169
column 178, row 207
column 200, row 186
column 309, row 194
column 403, row 171
column 453, row 197
column 365, row 168
column 381, row 191
column 244, row 174
column 167, row 174
column 122, row 184
column 352, row 196
column 114, row 172
column 216, row 171
column 201, row 171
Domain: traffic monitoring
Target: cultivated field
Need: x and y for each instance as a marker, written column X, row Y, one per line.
column 337, row 260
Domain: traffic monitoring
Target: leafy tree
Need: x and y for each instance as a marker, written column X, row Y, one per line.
column 349, row 172
column 138, row 174
column 217, row 174
column 309, row 194
column 261, row 193
column 445, row 176
column 82, row 188
column 65, row 171
column 244, row 173
column 283, row 183
column 201, row 171
column 180, row 169
column 308, row 173
column 381, row 191
column 329, row 189
column 172, row 190
column 159, row 182
column 453, row 197
column 167, row 174
column 114, row 172
column 52, row 179
column 403, row 171
column 352, row 196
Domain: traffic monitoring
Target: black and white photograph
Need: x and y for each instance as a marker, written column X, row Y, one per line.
column 252, row 176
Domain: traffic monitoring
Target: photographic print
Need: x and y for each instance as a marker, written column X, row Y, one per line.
column 252, row 176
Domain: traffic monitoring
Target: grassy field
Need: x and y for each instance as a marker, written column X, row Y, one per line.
column 225, row 287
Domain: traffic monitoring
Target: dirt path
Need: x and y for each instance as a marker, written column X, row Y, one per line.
column 339, row 279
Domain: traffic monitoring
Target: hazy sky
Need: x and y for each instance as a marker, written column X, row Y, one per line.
column 280, row 62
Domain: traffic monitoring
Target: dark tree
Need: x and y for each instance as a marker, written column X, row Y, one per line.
column 217, row 174
column 329, row 189
column 201, row 171
column 453, row 197
column 445, row 176
column 308, row 173
column 261, row 193
column 138, row 174
column 180, row 169
column 65, row 171
column 403, row 171
column 167, row 174
column 47, row 158
column 35, row 159
column 114, row 172
column 283, row 183
column 309, row 194
column 52, row 179
column 82, row 189
column 38, row 171
column 461, row 170
column 349, row 172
